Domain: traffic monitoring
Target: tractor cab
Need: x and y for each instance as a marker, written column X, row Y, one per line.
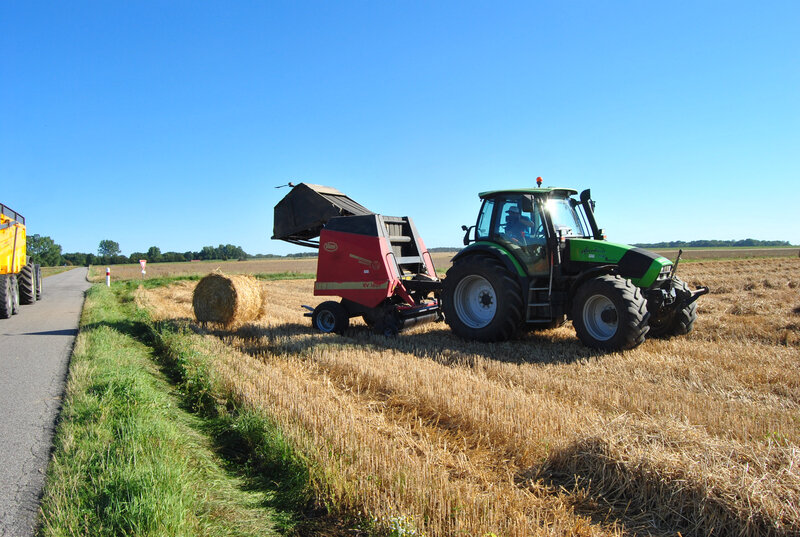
column 530, row 224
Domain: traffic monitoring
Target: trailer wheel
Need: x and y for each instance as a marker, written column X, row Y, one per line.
column 671, row 322
column 6, row 300
column 481, row 300
column 610, row 313
column 38, row 269
column 27, row 284
column 330, row 317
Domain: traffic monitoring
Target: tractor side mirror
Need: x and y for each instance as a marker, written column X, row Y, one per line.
column 466, row 233
column 527, row 204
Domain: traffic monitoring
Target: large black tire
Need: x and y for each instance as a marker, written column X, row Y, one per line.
column 481, row 300
column 27, row 284
column 38, row 270
column 677, row 322
column 6, row 299
column 610, row 313
column 14, row 294
column 330, row 317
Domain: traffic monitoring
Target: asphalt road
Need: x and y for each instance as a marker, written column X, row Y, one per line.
column 35, row 346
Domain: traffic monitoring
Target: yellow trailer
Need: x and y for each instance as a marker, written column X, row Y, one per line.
column 20, row 280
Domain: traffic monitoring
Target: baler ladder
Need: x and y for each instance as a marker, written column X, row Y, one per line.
column 407, row 248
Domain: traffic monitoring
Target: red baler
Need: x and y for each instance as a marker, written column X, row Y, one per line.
column 378, row 265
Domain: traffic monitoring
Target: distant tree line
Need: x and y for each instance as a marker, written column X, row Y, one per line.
column 276, row 256
column 707, row 243
column 45, row 251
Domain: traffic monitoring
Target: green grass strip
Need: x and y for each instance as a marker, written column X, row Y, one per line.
column 246, row 436
column 128, row 460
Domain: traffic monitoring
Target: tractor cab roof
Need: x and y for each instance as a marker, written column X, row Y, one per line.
column 534, row 191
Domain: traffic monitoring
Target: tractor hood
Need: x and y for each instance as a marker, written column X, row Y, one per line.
column 641, row 266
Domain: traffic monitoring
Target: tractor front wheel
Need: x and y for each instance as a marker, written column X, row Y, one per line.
column 330, row 317
column 610, row 313
column 481, row 300
column 667, row 322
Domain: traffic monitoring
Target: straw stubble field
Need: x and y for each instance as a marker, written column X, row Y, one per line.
column 539, row 436
column 308, row 265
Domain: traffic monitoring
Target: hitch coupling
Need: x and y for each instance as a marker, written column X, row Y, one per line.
column 697, row 293
column 690, row 297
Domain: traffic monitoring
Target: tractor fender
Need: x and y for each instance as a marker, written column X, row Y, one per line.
column 496, row 251
column 587, row 274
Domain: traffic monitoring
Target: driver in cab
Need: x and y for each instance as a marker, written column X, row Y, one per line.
column 517, row 226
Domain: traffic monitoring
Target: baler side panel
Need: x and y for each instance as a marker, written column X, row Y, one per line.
column 355, row 267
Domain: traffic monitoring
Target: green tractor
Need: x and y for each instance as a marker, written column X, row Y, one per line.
column 536, row 258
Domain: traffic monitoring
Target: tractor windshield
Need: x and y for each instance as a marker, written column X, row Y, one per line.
column 564, row 217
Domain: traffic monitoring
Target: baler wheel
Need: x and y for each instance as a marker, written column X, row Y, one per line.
column 27, row 284
column 674, row 323
column 330, row 317
column 610, row 313
column 481, row 300
column 388, row 324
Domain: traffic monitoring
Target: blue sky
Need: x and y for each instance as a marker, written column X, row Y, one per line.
column 170, row 123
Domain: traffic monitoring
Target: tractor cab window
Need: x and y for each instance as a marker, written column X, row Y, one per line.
column 483, row 228
column 519, row 226
column 564, row 217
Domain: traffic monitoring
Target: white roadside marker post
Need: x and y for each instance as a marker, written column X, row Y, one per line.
column 143, row 263
column 108, row 276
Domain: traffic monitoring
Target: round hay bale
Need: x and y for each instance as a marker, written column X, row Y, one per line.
column 228, row 299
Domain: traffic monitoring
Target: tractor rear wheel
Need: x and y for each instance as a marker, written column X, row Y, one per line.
column 481, row 300
column 27, row 284
column 666, row 323
column 330, row 317
column 6, row 300
column 610, row 313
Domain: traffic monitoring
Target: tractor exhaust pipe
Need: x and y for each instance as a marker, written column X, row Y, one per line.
column 588, row 209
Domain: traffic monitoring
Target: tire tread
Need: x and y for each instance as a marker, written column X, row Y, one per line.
column 27, row 284
column 509, row 316
column 632, row 327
